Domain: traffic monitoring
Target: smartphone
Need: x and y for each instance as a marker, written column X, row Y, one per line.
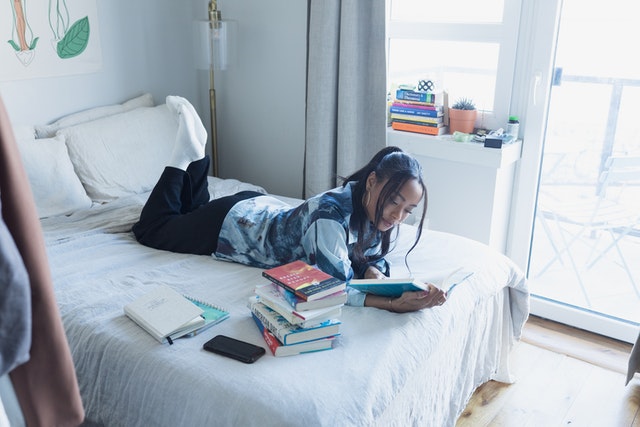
column 233, row 348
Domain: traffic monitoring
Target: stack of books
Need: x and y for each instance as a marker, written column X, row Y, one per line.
column 416, row 111
column 299, row 310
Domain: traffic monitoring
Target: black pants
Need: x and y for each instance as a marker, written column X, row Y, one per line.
column 178, row 215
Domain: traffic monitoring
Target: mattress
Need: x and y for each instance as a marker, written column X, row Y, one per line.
column 385, row 368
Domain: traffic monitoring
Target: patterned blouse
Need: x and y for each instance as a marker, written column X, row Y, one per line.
column 266, row 232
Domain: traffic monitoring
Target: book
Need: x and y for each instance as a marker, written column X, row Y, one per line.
column 412, row 111
column 287, row 333
column 414, row 122
column 212, row 314
column 416, row 119
column 165, row 314
column 412, row 127
column 304, row 280
column 298, row 304
column 413, row 105
column 270, row 296
column 394, row 287
column 413, row 95
column 280, row 350
column 387, row 287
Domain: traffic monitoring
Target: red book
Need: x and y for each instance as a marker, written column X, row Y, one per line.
column 307, row 282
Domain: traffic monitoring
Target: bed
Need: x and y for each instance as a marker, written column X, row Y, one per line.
column 385, row 368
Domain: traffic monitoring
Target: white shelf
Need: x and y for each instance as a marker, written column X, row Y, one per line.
column 445, row 148
column 469, row 185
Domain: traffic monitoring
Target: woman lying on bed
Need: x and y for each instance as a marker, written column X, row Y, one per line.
column 334, row 230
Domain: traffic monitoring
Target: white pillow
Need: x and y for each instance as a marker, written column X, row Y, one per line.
column 122, row 154
column 47, row 131
column 56, row 188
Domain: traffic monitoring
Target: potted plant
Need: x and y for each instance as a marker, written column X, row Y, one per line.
column 462, row 116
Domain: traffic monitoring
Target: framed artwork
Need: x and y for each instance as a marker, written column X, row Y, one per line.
column 47, row 38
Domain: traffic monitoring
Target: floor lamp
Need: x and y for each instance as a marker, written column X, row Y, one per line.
column 218, row 42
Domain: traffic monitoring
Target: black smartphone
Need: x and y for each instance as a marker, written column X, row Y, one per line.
column 233, row 348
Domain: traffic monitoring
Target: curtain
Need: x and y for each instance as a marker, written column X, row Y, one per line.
column 346, row 89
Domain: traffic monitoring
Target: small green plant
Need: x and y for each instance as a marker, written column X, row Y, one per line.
column 464, row 104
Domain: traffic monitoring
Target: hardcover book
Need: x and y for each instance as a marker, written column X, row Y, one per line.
column 298, row 304
column 413, row 111
column 165, row 314
column 292, row 334
column 304, row 280
column 280, row 350
column 395, row 287
column 422, row 128
column 269, row 294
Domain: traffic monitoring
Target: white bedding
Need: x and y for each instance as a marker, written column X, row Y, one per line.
column 386, row 369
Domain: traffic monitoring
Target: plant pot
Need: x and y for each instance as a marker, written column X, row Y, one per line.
column 462, row 120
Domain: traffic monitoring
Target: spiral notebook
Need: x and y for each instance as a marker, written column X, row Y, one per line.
column 212, row 314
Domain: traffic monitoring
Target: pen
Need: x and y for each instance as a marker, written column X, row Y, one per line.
column 458, row 282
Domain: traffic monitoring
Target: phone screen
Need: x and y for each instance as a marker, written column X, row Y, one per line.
column 234, row 348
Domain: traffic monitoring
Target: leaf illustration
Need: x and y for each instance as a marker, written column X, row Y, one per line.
column 14, row 45
column 75, row 40
column 34, row 43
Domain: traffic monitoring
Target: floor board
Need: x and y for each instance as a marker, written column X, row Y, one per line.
column 563, row 376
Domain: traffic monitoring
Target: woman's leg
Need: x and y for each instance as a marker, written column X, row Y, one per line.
column 167, row 220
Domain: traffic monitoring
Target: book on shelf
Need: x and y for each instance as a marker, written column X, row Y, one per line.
column 166, row 314
column 413, row 111
column 422, row 106
column 270, row 296
column 422, row 128
column 304, row 280
column 416, row 96
column 394, row 287
column 280, row 350
column 416, row 119
column 292, row 334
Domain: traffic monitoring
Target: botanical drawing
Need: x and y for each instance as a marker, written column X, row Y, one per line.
column 67, row 41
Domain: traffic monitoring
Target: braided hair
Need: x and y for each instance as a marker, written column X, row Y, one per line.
column 396, row 167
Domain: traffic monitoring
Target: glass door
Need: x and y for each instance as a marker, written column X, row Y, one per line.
column 586, row 226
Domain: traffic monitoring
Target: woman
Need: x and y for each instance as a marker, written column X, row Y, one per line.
column 346, row 231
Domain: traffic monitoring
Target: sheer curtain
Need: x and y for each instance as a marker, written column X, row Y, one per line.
column 346, row 89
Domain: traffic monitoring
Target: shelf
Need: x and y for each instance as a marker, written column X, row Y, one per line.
column 445, row 148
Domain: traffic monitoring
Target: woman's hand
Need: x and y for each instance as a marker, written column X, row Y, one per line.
column 409, row 301
column 414, row 301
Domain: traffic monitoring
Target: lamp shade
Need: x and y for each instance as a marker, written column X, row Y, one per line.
column 215, row 46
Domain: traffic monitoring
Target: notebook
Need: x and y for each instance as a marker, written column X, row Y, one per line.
column 212, row 314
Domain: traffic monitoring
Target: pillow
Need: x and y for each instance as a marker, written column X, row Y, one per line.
column 56, row 188
column 47, row 131
column 122, row 154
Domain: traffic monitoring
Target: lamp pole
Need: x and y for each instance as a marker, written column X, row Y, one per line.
column 214, row 25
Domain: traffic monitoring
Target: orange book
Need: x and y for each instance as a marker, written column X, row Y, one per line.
column 410, row 127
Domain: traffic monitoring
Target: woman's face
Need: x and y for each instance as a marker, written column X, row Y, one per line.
column 398, row 207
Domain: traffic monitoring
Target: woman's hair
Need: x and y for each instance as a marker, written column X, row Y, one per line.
column 396, row 167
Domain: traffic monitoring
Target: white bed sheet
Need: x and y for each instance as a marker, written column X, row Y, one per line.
column 386, row 368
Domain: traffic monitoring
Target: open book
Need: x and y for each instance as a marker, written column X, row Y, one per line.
column 166, row 314
column 394, row 287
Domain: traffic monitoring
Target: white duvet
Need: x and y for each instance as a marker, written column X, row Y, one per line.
column 386, row 368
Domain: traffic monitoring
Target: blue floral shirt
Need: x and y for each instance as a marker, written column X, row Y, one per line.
column 266, row 232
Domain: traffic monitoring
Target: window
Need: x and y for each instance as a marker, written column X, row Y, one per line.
column 466, row 47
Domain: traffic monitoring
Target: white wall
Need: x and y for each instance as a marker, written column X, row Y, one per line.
column 145, row 48
column 261, row 99
column 148, row 46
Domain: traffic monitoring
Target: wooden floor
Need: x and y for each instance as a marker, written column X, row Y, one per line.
column 564, row 376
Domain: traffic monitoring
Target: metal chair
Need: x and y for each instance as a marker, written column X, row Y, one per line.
column 588, row 219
